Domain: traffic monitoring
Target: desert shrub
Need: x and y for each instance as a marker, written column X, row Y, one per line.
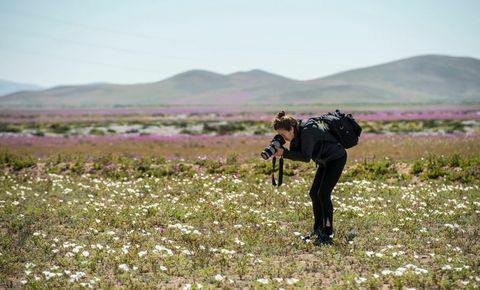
column 232, row 159
column 372, row 170
column 9, row 128
column 214, row 166
column 17, row 162
column 163, row 170
column 95, row 131
column 223, row 129
column 59, row 128
column 263, row 168
column 452, row 167
column 78, row 166
column 38, row 133
column 416, row 167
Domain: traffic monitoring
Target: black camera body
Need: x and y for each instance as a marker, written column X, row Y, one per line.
column 277, row 141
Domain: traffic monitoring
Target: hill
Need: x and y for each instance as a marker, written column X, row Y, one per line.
column 428, row 79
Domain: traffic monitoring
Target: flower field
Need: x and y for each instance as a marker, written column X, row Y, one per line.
column 199, row 211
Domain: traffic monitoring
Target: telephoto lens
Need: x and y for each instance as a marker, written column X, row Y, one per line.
column 277, row 141
column 267, row 152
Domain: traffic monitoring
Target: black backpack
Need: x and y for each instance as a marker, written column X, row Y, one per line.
column 343, row 127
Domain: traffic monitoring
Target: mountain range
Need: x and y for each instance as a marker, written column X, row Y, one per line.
column 8, row 87
column 425, row 79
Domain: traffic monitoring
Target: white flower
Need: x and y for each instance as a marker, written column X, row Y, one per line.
column 124, row 267
column 262, row 280
column 420, row 271
column 399, row 253
column 360, row 280
column 76, row 276
column 76, row 249
column 291, row 281
column 163, row 268
column 386, row 272
column 399, row 271
column 159, row 248
column 48, row 274
column 229, row 252
column 187, row 252
column 239, row 242
column 85, row 253
column 369, row 253
column 446, row 267
column 219, row 277
column 142, row 253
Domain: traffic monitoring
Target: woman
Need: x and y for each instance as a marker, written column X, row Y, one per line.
column 311, row 140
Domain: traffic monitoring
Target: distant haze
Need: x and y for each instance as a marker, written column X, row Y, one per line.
column 427, row 79
column 8, row 87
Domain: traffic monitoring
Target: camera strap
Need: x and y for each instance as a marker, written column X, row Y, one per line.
column 280, row 171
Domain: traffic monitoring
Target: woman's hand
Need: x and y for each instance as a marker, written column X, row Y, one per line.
column 279, row 152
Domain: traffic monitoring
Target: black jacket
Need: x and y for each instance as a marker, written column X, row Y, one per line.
column 313, row 141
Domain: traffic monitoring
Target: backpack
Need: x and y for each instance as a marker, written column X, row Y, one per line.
column 343, row 127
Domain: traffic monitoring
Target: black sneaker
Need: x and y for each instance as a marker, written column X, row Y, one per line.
column 312, row 234
column 323, row 239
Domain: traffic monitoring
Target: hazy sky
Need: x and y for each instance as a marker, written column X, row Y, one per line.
column 72, row 42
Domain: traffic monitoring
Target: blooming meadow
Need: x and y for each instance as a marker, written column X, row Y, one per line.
column 203, row 224
column 196, row 209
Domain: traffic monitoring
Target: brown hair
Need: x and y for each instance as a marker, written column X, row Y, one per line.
column 284, row 121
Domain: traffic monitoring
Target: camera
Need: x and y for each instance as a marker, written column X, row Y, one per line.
column 277, row 141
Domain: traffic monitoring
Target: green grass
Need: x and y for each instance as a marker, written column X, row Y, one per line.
column 70, row 222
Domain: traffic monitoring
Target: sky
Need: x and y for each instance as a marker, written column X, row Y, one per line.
column 51, row 43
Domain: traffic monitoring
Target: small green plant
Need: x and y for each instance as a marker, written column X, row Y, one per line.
column 9, row 128
column 96, row 131
column 417, row 167
column 38, row 133
column 59, row 128
column 17, row 162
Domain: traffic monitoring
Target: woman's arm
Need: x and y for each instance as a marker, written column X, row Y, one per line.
column 294, row 155
column 308, row 143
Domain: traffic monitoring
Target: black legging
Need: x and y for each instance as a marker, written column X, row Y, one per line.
column 321, row 193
